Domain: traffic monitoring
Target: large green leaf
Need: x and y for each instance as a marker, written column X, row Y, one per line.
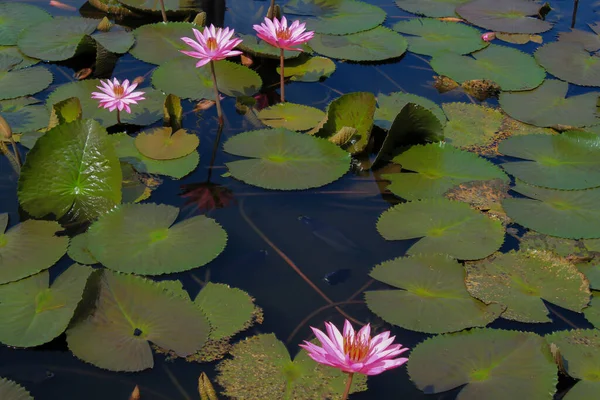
column 16, row 17
column 33, row 313
column 556, row 161
column 29, row 248
column 10, row 390
column 568, row 214
column 73, row 169
column 471, row 125
column 141, row 239
column 434, row 298
column 78, row 250
column 296, row 117
column 161, row 42
column 436, row 169
column 509, row 16
column 115, row 41
column 23, row 115
column 308, row 69
column 493, row 364
column 431, row 8
column 129, row 312
column 570, row 62
column 376, row 44
column 285, row 160
column 510, row 68
column 181, row 78
column 443, row 226
column 390, row 105
column 23, row 82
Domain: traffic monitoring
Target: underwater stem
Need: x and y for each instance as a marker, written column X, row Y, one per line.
column 281, row 77
column 348, row 384
column 217, row 99
column 162, row 10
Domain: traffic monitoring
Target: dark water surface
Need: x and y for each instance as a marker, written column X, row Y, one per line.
column 341, row 232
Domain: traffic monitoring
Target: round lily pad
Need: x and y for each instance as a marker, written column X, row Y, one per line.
column 308, row 69
column 548, row 106
column 493, row 364
column 471, row 125
column 521, row 280
column 115, row 41
column 292, row 116
column 510, row 68
column 23, row 82
column 429, row 36
column 390, row 105
column 10, row 390
column 373, row 45
column 509, row 16
column 14, row 52
column 129, row 312
column 78, row 250
column 161, row 42
column 23, row 115
column 15, row 17
column 434, row 298
column 556, row 161
column 589, row 40
column 443, row 226
column 181, row 78
column 33, row 313
column 431, row 8
column 570, row 62
column 567, row 214
column 28, row 248
column 285, row 160
column 436, row 169
column 141, row 239
column 164, row 144
column 258, row 47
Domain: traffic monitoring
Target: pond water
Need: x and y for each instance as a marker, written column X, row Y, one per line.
column 271, row 232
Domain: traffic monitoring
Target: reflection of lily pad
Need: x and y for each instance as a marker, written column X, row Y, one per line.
column 129, row 312
column 493, row 364
column 443, row 226
column 16, row 17
column 434, row 299
column 10, row 390
column 471, row 124
column 389, row 105
column 431, row 8
column 78, row 250
column 510, row 16
column 292, row 116
column 141, row 239
column 523, row 279
column 161, row 42
column 285, row 160
column 33, row 313
column 23, row 115
column 164, row 144
column 23, row 82
column 308, row 69
column 569, row 214
column 570, row 62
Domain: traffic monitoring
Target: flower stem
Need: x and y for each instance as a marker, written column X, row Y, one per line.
column 281, row 74
column 217, row 99
column 162, row 10
column 271, row 12
column 118, row 116
column 16, row 151
column 348, row 384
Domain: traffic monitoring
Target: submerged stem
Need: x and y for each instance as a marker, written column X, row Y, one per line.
column 217, row 99
column 281, row 74
column 162, row 10
column 348, row 384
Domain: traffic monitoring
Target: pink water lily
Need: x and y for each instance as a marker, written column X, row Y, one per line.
column 115, row 95
column 213, row 44
column 488, row 36
column 278, row 34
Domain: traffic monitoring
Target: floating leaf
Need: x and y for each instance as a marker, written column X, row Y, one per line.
column 519, row 38
column 589, row 40
column 308, row 69
column 181, row 77
column 278, row 155
column 592, row 312
column 570, row 62
column 78, row 250
column 510, row 16
column 483, row 196
column 510, row 68
column 161, row 42
column 471, row 125
column 431, row 8
column 494, row 364
column 373, row 45
column 14, row 52
column 23, row 82
column 33, row 313
column 434, row 298
column 562, row 247
column 16, row 17
column 443, row 226
column 567, row 214
column 10, row 390
column 72, row 169
column 129, row 312
column 29, row 248
column 23, row 115
column 171, row 6
column 388, row 107
column 115, row 41
column 255, row 46
column 141, row 239
column 65, row 111
column 436, row 169
column 292, row 116
column 164, row 144
column 430, row 36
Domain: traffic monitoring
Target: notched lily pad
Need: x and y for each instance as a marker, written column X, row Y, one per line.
column 510, row 16
column 570, row 62
column 308, row 69
column 471, row 125
column 390, row 105
column 292, row 116
column 161, row 42
column 10, row 390
column 164, row 144
column 431, row 8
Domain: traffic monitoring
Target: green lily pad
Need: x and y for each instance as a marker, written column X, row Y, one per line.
column 16, row 17
column 28, row 248
column 509, row 16
column 10, row 390
column 510, row 68
column 389, row 105
column 555, row 161
column 72, row 170
column 58, row 39
column 579, row 351
column 592, row 312
column 285, row 160
column 115, row 41
column 562, row 247
column 129, row 312
column 434, row 298
column 589, row 40
column 24, row 82
column 373, row 45
column 14, row 52
column 549, row 106
column 176, row 168
column 567, row 214
column 150, row 244
column 436, row 169
column 33, row 313
column 336, row 17
column 144, row 113
column 255, row 46
column 292, row 116
column 494, row 364
column 22, row 115
column 181, row 78
column 430, row 36
column 570, row 62
column 170, row 5
column 443, row 226
column 471, row 125
column 591, row 270
column 431, row 8
column 164, row 144
column 161, row 42
column 521, row 280
column 308, row 69
column 275, row 376
column 79, row 252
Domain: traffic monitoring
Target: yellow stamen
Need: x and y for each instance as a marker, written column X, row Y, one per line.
column 119, row 90
column 356, row 348
column 283, row 34
column 211, row 43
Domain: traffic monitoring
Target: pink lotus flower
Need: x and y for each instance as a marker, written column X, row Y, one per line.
column 213, row 44
column 488, row 36
column 355, row 352
column 277, row 33
column 118, row 96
